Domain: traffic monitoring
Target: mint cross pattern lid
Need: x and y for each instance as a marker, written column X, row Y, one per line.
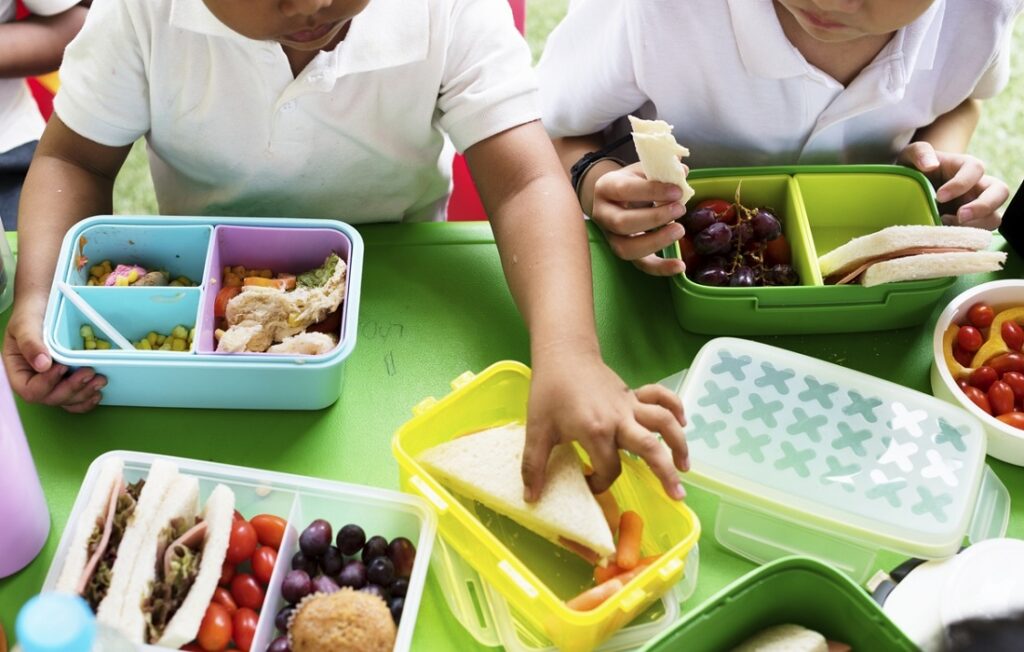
column 839, row 455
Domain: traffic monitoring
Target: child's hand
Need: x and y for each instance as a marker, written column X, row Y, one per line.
column 972, row 197
column 32, row 373
column 636, row 228
column 577, row 397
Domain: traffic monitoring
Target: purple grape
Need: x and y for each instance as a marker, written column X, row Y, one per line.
column 765, row 225
column 402, row 554
column 377, row 546
column 715, row 239
column 324, row 584
column 781, row 275
column 303, row 563
column 399, row 587
column 282, row 618
column 377, row 590
column 743, row 232
column 280, row 644
column 698, row 220
column 396, row 605
column 296, row 586
column 316, row 538
column 351, row 539
column 715, row 276
column 332, row 561
column 381, row 571
column 353, row 575
column 743, row 277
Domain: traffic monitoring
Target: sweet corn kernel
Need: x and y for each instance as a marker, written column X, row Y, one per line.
column 103, row 345
column 86, row 332
column 144, row 345
column 160, row 339
column 166, row 346
column 152, row 337
column 179, row 332
column 107, row 267
column 96, row 270
column 178, row 344
column 184, row 281
column 133, row 275
column 90, row 344
column 192, row 334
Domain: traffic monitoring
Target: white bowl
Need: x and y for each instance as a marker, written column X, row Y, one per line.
column 1005, row 442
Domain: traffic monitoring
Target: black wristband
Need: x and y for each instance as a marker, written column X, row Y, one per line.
column 582, row 166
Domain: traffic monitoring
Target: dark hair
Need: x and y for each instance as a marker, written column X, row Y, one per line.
column 1005, row 634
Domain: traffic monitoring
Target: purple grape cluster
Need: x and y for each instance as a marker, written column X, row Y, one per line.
column 372, row 565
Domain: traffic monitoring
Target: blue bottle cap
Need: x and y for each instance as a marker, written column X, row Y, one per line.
column 56, row 621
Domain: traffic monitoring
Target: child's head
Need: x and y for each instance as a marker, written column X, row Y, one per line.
column 298, row 24
column 845, row 20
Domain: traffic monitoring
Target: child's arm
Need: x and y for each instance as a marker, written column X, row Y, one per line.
column 35, row 45
column 545, row 254
column 938, row 151
column 71, row 178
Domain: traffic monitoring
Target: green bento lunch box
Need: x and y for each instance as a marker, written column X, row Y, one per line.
column 794, row 590
column 821, row 208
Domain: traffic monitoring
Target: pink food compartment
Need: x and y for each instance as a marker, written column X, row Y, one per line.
column 283, row 250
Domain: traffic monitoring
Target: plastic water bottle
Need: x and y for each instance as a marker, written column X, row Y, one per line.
column 6, row 272
column 23, row 512
column 52, row 622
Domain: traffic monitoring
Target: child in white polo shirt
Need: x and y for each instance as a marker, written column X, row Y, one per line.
column 32, row 46
column 335, row 108
column 760, row 82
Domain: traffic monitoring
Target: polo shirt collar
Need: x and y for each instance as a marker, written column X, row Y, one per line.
column 385, row 34
column 766, row 52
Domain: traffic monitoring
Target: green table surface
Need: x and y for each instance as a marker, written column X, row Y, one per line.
column 435, row 304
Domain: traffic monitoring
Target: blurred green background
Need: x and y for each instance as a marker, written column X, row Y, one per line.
column 999, row 140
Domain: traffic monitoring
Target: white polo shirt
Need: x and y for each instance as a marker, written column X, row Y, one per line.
column 356, row 136
column 739, row 93
column 20, row 121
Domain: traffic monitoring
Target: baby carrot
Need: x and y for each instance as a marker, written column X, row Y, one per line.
column 604, row 573
column 592, row 598
column 631, row 528
column 610, row 508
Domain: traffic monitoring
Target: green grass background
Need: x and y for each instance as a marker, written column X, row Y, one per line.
column 999, row 140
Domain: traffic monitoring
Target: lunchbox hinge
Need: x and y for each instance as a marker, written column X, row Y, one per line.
column 462, row 380
column 423, row 406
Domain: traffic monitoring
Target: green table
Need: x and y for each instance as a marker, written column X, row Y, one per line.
column 434, row 304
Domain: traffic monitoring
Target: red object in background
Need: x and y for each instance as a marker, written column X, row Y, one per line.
column 42, row 95
column 464, row 205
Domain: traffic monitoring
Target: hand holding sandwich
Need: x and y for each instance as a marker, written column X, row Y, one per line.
column 577, row 397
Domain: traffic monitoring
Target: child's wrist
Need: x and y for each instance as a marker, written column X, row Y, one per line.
column 588, row 181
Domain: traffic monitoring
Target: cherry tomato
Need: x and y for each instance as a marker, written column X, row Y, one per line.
column 688, row 253
column 777, row 252
column 983, row 377
column 330, row 324
column 1013, row 335
column 724, row 210
column 961, row 356
column 263, row 561
column 1007, row 362
column 1015, row 419
column 1000, row 398
column 981, row 315
column 1015, row 380
column 223, row 597
column 247, row 592
column 244, row 625
column 962, row 384
column 227, row 571
column 215, row 630
column 192, row 647
column 977, row 396
column 242, row 543
column 220, row 304
column 269, row 529
column 969, row 338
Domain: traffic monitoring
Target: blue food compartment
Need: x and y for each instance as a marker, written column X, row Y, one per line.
column 199, row 378
column 177, row 249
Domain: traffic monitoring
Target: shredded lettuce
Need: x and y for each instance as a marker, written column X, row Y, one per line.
column 170, row 591
column 99, row 583
column 317, row 278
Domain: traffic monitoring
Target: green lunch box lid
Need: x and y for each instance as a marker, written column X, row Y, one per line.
column 798, row 448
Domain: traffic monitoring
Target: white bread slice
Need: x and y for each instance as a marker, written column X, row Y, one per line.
column 925, row 266
column 660, row 153
column 485, row 466
column 785, row 638
column 897, row 238
column 158, row 481
column 218, row 516
column 180, row 501
column 95, row 511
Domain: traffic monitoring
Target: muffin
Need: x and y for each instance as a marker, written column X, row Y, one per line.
column 343, row 621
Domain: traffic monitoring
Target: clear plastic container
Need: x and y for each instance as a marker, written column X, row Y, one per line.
column 299, row 500
column 810, row 458
column 23, row 511
column 78, row 630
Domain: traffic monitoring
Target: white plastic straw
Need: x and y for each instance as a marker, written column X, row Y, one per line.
column 94, row 316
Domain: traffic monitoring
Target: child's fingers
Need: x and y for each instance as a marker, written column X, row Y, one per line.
column 33, row 386
column 629, row 185
column 965, row 178
column 613, row 218
column 604, row 457
column 638, row 440
column 661, row 420
column 84, row 406
column 663, row 396
column 657, row 266
column 983, row 210
column 920, row 155
column 632, row 247
column 535, row 461
column 73, row 389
